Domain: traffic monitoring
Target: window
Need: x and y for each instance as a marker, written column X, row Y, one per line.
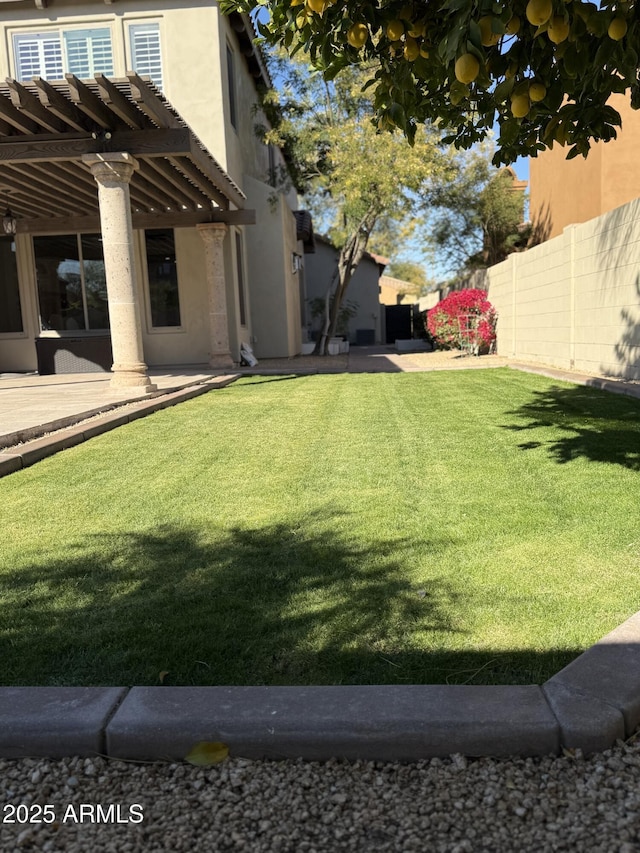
column 163, row 278
column 72, row 286
column 145, row 51
column 240, row 270
column 88, row 52
column 52, row 54
column 10, row 311
column 231, row 85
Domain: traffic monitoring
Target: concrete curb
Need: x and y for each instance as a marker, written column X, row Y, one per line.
column 614, row 386
column 590, row 704
column 23, row 455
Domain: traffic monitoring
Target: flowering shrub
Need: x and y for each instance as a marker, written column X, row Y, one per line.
column 452, row 322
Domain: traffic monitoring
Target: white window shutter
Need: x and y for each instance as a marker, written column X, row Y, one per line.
column 38, row 55
column 88, row 52
column 145, row 51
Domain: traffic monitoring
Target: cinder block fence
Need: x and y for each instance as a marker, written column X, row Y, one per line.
column 574, row 301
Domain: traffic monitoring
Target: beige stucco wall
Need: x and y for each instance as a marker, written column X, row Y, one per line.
column 275, row 303
column 574, row 302
column 564, row 192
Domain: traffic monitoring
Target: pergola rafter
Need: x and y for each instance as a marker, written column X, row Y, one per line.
column 47, row 127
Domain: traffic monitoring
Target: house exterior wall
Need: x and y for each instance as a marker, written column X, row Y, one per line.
column 275, row 308
column 194, row 41
column 564, row 192
column 574, row 301
column 363, row 290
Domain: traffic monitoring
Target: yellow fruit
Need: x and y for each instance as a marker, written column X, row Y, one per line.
column 513, row 26
column 297, row 2
column 467, row 68
column 537, row 92
column 358, row 35
column 317, row 6
column 487, row 36
column 411, row 49
column 417, row 30
column 558, row 30
column 617, row 29
column 538, row 12
column 520, row 106
column 424, row 51
column 395, row 30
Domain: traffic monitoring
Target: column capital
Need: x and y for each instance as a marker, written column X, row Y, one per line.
column 112, row 166
column 212, row 232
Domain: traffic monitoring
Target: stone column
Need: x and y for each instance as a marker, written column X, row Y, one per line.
column 113, row 172
column 213, row 234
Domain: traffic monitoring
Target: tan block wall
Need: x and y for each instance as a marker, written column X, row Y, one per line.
column 574, row 301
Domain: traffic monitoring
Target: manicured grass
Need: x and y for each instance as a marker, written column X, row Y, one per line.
column 458, row 527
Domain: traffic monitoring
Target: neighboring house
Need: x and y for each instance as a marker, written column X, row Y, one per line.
column 362, row 323
column 395, row 291
column 141, row 197
column 565, row 192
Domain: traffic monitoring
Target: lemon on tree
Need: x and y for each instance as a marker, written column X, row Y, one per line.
column 487, row 35
column 538, row 12
column 411, row 49
column 520, row 105
column 466, row 68
column 513, row 26
column 558, row 30
column 317, row 6
column 395, row 30
column 537, row 92
column 617, row 28
column 357, row 35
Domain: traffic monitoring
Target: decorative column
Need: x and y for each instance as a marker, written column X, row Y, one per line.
column 113, row 172
column 213, row 234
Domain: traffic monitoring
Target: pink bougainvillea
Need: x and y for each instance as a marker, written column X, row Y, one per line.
column 465, row 318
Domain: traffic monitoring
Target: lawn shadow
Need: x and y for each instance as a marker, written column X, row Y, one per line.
column 596, row 425
column 278, row 604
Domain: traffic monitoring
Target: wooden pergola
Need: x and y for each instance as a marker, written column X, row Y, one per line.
column 47, row 127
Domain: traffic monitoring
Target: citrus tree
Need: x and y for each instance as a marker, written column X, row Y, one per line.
column 355, row 180
column 543, row 70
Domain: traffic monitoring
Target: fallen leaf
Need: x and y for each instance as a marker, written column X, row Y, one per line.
column 163, row 675
column 206, row 753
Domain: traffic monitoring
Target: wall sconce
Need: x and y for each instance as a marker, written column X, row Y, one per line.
column 9, row 222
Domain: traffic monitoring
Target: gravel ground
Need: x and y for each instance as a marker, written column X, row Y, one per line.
column 452, row 805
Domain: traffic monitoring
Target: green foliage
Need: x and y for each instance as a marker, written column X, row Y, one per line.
column 413, row 69
column 356, row 180
column 412, row 273
column 477, row 219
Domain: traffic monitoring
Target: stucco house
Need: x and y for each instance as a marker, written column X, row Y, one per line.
column 565, row 192
column 140, row 216
column 362, row 319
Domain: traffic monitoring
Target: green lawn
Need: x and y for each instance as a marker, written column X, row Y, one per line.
column 455, row 527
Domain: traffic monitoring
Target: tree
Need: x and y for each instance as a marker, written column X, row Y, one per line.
column 542, row 69
column 412, row 273
column 477, row 219
column 353, row 178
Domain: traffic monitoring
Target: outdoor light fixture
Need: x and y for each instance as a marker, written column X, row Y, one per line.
column 9, row 222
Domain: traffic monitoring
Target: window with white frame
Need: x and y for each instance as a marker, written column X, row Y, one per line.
column 146, row 56
column 54, row 53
